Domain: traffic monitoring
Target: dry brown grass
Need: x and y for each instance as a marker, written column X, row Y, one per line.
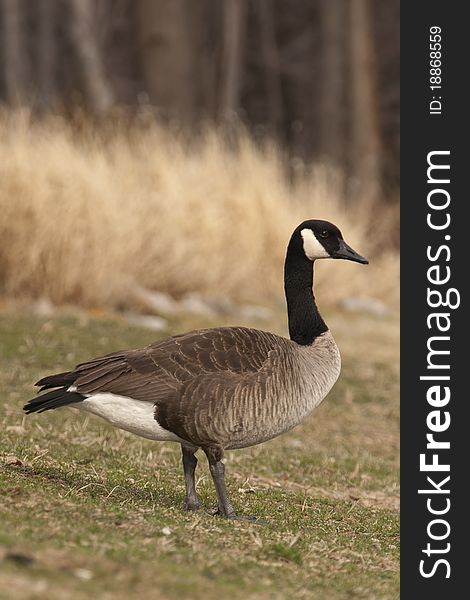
column 83, row 215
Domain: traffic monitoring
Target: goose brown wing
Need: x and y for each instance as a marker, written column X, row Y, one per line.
column 158, row 372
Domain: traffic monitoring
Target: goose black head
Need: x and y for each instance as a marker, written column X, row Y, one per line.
column 322, row 239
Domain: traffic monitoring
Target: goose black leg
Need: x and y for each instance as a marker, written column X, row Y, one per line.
column 191, row 501
column 225, row 507
column 217, row 469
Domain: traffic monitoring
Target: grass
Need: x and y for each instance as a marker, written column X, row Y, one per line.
column 85, row 214
column 89, row 511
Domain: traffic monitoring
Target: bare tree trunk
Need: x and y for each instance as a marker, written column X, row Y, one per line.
column 365, row 137
column 97, row 87
column 207, row 17
column 167, row 57
column 47, row 53
column 271, row 65
column 17, row 69
column 232, row 57
column 332, row 131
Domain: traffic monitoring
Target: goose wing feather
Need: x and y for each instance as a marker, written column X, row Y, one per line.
column 206, row 385
column 158, row 372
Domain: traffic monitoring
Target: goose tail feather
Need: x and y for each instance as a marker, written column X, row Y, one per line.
column 53, row 399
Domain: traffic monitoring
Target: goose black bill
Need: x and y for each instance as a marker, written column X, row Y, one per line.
column 347, row 253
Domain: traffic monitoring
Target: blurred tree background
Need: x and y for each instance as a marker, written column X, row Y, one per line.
column 321, row 77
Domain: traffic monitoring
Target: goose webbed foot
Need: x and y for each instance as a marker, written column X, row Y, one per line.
column 248, row 518
column 192, row 504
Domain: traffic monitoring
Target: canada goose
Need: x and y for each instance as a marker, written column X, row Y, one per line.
column 218, row 389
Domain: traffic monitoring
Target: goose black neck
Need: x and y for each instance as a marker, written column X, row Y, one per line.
column 305, row 321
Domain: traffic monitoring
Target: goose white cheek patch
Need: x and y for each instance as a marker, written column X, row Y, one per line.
column 312, row 247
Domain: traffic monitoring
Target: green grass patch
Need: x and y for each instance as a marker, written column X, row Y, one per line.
column 89, row 511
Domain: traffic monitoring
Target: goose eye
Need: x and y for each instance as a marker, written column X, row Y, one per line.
column 324, row 233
